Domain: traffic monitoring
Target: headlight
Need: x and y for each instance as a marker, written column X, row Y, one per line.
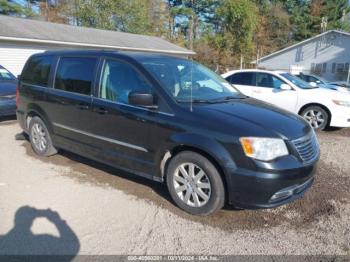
column 342, row 103
column 264, row 149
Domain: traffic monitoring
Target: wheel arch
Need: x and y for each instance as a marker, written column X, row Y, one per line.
column 189, row 148
column 34, row 110
column 207, row 148
column 317, row 104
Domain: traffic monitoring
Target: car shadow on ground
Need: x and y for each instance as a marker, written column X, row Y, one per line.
column 299, row 214
column 103, row 175
column 159, row 188
column 336, row 131
column 7, row 119
column 20, row 240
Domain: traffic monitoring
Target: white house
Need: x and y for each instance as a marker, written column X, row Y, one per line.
column 327, row 55
column 20, row 38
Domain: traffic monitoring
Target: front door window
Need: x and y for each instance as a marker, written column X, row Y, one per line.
column 119, row 79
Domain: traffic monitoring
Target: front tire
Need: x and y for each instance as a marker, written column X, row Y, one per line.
column 195, row 184
column 40, row 138
column 316, row 116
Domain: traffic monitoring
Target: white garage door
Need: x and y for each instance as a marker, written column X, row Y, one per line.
column 14, row 56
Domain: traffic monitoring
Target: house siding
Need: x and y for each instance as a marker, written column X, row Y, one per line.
column 14, row 54
column 318, row 54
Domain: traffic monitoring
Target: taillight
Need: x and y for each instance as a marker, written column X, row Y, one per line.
column 17, row 96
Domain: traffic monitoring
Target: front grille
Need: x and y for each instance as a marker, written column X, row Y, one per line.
column 307, row 148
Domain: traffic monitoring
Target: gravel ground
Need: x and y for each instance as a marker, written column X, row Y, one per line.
column 69, row 205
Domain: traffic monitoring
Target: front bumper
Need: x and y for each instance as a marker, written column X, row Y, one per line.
column 340, row 117
column 7, row 107
column 268, row 189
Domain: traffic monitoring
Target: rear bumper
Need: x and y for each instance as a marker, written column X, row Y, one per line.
column 8, row 108
column 255, row 190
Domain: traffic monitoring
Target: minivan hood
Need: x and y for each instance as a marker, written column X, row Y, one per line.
column 256, row 118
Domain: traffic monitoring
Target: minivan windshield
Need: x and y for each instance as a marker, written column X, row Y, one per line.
column 297, row 81
column 188, row 81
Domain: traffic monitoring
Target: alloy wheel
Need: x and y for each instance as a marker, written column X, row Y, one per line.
column 39, row 137
column 192, row 185
column 315, row 118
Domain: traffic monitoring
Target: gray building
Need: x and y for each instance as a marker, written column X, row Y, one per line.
column 327, row 55
column 20, row 38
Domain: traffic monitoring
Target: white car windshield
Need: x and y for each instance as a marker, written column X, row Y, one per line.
column 187, row 81
column 297, row 81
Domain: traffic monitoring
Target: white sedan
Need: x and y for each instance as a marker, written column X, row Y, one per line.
column 320, row 107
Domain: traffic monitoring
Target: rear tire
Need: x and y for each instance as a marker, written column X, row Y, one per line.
column 40, row 138
column 316, row 116
column 195, row 184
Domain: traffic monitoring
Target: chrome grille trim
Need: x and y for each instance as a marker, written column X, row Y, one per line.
column 307, row 148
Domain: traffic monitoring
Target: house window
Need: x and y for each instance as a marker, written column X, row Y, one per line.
column 324, row 68
column 334, row 66
column 318, row 69
column 313, row 65
column 340, row 68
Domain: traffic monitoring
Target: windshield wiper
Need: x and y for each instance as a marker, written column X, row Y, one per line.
column 196, row 101
column 227, row 98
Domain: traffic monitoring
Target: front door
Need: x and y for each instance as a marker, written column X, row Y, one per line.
column 121, row 131
column 268, row 90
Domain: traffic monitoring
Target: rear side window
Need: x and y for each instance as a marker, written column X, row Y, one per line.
column 37, row 71
column 247, row 79
column 75, row 74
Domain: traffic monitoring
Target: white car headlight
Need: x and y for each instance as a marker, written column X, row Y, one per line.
column 342, row 103
column 264, row 149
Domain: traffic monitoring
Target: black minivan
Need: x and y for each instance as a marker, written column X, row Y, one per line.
column 168, row 119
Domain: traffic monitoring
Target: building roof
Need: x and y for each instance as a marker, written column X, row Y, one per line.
column 34, row 31
column 301, row 43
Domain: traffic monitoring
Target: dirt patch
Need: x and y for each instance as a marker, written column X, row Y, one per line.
column 333, row 131
column 329, row 186
column 318, row 203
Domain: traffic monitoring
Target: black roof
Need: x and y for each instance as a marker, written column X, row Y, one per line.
column 135, row 55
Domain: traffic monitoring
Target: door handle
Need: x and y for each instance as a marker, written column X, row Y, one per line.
column 101, row 111
column 83, row 107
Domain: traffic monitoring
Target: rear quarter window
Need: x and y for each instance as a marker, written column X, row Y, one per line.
column 37, row 70
column 247, row 79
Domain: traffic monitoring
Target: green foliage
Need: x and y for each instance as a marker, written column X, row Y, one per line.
column 121, row 15
column 220, row 31
column 10, row 8
column 335, row 10
column 238, row 21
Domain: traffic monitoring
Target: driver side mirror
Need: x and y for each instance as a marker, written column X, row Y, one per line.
column 313, row 84
column 142, row 99
column 285, row 87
